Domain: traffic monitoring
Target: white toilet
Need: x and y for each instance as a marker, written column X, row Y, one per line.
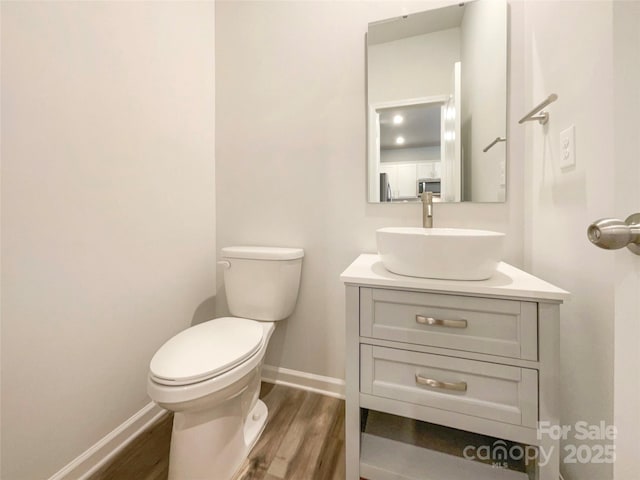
column 209, row 374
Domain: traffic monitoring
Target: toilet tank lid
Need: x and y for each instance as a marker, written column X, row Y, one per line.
column 263, row 253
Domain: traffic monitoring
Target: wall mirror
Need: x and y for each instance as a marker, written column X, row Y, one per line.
column 437, row 104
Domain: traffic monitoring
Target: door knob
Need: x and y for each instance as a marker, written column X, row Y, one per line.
column 611, row 233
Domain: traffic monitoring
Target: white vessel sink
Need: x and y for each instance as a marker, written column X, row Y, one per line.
column 444, row 253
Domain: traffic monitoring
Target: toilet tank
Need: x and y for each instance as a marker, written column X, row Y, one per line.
column 262, row 283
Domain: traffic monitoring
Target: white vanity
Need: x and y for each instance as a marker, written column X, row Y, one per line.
column 474, row 356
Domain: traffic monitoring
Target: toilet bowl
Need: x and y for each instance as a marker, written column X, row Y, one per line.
column 209, row 374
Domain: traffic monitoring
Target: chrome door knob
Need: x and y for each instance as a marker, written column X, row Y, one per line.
column 611, row 233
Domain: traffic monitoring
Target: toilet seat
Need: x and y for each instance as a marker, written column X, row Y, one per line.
column 206, row 351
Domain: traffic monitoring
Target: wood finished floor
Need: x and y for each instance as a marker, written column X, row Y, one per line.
column 303, row 440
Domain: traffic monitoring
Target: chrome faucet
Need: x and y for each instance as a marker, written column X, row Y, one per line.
column 427, row 209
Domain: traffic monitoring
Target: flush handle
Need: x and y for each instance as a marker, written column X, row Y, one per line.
column 438, row 322
column 433, row 383
column 611, row 233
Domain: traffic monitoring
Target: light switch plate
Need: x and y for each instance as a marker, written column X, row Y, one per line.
column 568, row 148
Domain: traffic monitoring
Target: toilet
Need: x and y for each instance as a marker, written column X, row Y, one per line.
column 209, row 374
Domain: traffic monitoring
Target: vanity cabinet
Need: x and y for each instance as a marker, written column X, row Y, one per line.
column 474, row 356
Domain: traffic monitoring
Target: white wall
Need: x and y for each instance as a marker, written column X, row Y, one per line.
column 412, row 67
column 561, row 204
column 414, row 155
column 108, row 239
column 290, row 158
column 484, row 81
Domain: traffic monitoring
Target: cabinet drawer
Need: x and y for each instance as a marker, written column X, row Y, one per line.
column 506, row 328
column 488, row 390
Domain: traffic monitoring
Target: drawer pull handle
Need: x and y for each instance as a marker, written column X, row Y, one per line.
column 430, row 382
column 421, row 319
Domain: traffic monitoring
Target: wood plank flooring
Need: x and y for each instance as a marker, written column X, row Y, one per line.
column 303, row 440
column 146, row 458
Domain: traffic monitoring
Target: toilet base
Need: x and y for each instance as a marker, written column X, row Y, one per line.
column 213, row 445
column 254, row 426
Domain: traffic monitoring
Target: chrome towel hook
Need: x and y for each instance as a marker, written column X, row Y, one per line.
column 497, row 140
column 542, row 116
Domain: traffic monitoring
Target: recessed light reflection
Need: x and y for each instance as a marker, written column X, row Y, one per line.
column 398, row 119
column 399, row 140
column 450, row 114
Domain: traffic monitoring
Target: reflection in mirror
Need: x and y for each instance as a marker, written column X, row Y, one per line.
column 436, row 95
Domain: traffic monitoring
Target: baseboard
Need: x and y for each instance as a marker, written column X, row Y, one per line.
column 105, row 449
column 329, row 386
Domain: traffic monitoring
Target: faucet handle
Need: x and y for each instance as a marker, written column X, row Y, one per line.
column 426, row 197
column 427, row 209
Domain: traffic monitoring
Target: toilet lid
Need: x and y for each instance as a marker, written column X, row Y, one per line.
column 206, row 350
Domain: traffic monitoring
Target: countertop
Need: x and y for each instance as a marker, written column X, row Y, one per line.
column 507, row 282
